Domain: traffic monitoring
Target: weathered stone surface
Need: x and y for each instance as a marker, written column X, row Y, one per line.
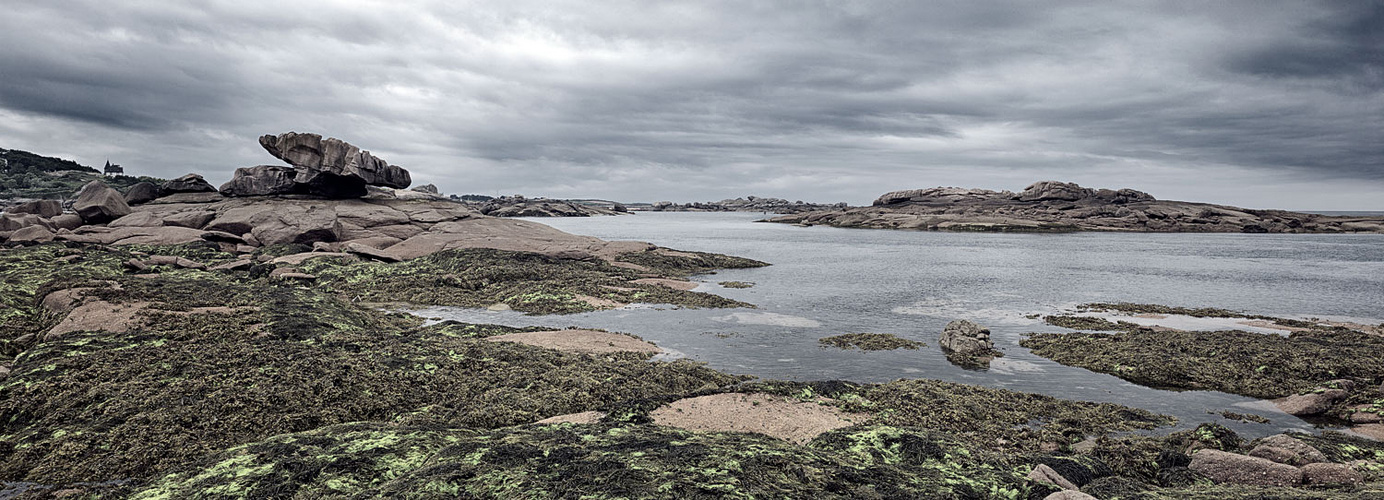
column 261, row 180
column 426, row 188
column 31, row 235
column 222, row 236
column 177, row 198
column 1053, row 190
column 1329, row 474
column 15, row 222
column 1286, row 449
column 141, row 192
column 42, row 208
column 1223, row 467
column 98, row 203
column 296, row 224
column 141, row 219
column 190, row 183
column 331, row 167
column 962, row 336
column 366, row 251
column 1044, row 474
column 1310, row 404
column 195, row 219
column 1069, row 495
column 67, row 221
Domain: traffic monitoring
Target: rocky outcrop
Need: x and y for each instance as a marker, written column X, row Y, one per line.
column 261, row 180
column 519, row 206
column 968, row 345
column 962, row 336
column 98, row 203
column 332, row 167
column 1051, row 206
column 381, row 229
column 1224, row 467
column 190, row 183
column 141, row 192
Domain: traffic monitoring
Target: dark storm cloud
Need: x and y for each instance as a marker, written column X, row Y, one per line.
column 830, row 100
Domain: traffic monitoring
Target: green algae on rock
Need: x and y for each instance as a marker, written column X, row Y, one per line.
column 1250, row 364
column 597, row 461
column 1088, row 323
column 869, row 342
column 526, row 282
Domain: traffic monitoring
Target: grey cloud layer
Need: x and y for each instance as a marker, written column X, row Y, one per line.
column 641, row 100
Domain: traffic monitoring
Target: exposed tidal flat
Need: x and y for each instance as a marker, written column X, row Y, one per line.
column 827, row 281
column 244, row 383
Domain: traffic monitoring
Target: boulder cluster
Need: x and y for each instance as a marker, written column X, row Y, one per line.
column 335, row 198
column 1278, row 460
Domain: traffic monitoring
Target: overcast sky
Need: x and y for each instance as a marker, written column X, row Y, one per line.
column 1258, row 104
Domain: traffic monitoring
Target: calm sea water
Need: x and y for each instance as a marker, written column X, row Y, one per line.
column 826, row 281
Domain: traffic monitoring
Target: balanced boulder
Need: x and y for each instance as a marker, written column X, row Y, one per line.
column 98, row 203
column 332, row 167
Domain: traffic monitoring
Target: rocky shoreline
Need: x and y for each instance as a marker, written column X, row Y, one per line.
column 194, row 344
column 1051, row 206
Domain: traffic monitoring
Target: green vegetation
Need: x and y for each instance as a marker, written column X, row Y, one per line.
column 869, row 342
column 736, row 284
column 684, row 264
column 293, row 390
column 27, row 175
column 1088, row 323
column 527, row 282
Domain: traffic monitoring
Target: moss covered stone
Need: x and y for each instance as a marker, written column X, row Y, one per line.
column 869, row 342
column 1250, row 364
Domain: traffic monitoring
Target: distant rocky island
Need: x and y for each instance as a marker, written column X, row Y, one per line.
column 1051, row 206
column 746, row 204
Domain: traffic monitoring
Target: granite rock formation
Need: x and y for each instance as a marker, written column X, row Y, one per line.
column 97, row 203
column 325, row 168
column 1051, row 206
column 332, row 167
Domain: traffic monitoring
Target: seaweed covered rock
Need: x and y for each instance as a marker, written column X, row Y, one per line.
column 1224, row 467
column 98, row 203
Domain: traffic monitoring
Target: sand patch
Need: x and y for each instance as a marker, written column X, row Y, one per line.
column 1372, row 431
column 579, row 341
column 600, row 303
column 1263, row 323
column 776, row 416
column 665, row 282
column 586, row 417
